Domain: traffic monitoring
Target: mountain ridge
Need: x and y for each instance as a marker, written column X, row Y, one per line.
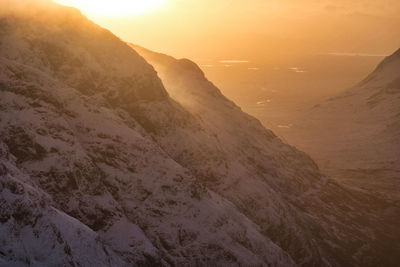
column 185, row 88
column 93, row 141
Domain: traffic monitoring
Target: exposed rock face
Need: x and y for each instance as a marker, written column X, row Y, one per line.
column 100, row 166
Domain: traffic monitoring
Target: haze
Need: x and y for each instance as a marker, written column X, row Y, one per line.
column 260, row 29
column 271, row 57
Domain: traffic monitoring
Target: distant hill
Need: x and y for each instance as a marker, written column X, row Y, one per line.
column 355, row 136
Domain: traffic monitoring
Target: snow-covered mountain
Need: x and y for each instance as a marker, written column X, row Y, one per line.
column 101, row 165
column 355, row 136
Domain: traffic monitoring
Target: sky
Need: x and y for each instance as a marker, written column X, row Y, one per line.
column 256, row 29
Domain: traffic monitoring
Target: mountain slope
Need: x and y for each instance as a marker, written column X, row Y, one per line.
column 186, row 83
column 93, row 147
column 73, row 123
column 355, row 135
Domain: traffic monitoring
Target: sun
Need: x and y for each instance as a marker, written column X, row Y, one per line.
column 114, row 7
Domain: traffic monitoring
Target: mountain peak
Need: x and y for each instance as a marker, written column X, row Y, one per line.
column 78, row 52
column 184, row 64
column 188, row 65
column 389, row 59
column 386, row 72
column 397, row 53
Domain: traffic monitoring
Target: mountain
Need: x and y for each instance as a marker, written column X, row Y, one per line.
column 102, row 163
column 355, row 135
column 186, row 83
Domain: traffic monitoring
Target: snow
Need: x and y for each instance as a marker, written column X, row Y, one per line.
column 118, row 170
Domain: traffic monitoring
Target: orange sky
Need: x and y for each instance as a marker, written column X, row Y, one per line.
column 262, row 29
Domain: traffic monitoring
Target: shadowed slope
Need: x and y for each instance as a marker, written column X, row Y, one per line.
column 278, row 169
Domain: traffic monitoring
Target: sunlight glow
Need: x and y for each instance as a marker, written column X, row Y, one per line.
column 114, row 7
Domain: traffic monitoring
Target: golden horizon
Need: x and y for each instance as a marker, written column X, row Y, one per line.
column 115, row 8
